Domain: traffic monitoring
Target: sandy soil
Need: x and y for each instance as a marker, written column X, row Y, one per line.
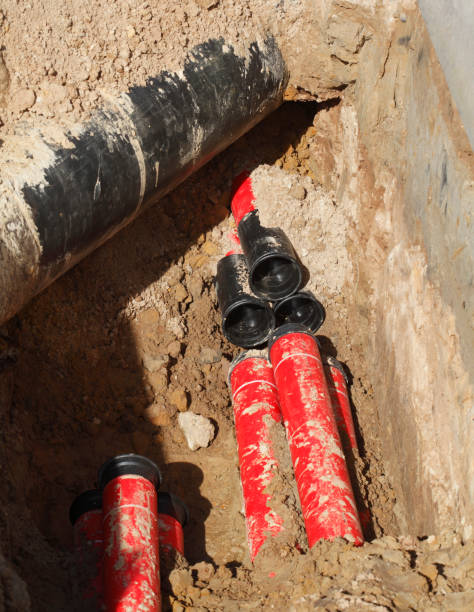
column 73, row 53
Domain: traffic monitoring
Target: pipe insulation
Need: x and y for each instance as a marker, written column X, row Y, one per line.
column 65, row 190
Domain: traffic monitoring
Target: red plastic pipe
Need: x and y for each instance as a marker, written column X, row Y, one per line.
column 324, row 487
column 172, row 517
column 86, row 517
column 256, row 409
column 243, row 197
column 171, row 533
column 131, row 559
column 337, row 384
column 237, row 248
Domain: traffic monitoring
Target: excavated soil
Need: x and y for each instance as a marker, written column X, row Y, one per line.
column 105, row 360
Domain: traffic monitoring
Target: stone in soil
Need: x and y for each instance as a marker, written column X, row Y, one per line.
column 198, row 430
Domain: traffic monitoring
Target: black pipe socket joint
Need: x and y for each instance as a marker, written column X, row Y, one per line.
column 247, row 321
column 85, row 502
column 274, row 270
column 302, row 308
column 173, row 506
column 124, row 465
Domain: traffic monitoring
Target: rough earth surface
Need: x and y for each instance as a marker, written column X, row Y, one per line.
column 107, row 358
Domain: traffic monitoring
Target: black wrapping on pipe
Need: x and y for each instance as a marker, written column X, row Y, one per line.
column 145, row 143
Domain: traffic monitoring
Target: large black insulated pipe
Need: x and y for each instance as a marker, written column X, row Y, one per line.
column 63, row 192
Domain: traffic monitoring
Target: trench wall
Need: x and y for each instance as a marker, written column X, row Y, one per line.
column 415, row 277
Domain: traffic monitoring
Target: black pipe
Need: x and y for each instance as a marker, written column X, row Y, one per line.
column 68, row 191
column 302, row 308
column 274, row 270
column 173, row 506
column 247, row 321
column 85, row 502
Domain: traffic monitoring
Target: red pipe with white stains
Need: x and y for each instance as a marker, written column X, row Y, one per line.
column 131, row 560
column 337, row 384
column 173, row 515
column 324, row 487
column 256, row 410
column 242, row 197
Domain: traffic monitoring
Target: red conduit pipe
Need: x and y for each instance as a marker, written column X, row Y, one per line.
column 256, row 409
column 171, row 533
column 243, row 197
column 131, row 559
column 326, row 496
column 172, row 517
column 236, row 249
column 337, row 385
column 338, row 390
column 86, row 517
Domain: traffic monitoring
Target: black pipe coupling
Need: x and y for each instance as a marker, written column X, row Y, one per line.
column 247, row 321
column 302, row 308
column 274, row 269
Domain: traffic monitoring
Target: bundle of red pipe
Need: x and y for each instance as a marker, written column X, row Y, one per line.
column 119, row 531
column 291, row 383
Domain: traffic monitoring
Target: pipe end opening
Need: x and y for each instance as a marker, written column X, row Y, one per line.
column 302, row 308
column 275, row 277
column 249, row 324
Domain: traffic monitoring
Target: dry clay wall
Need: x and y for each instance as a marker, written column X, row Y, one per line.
column 415, row 181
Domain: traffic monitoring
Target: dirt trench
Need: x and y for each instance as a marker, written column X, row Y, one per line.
column 103, row 362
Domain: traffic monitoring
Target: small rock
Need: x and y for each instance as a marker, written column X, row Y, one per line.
column 180, row 293
column 4, row 77
column 204, row 571
column 22, row 99
column 198, row 430
column 180, row 580
column 179, row 399
column 159, row 414
column 149, row 318
column 174, row 349
column 298, row 192
column 154, row 363
column 209, row 355
column 195, row 286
